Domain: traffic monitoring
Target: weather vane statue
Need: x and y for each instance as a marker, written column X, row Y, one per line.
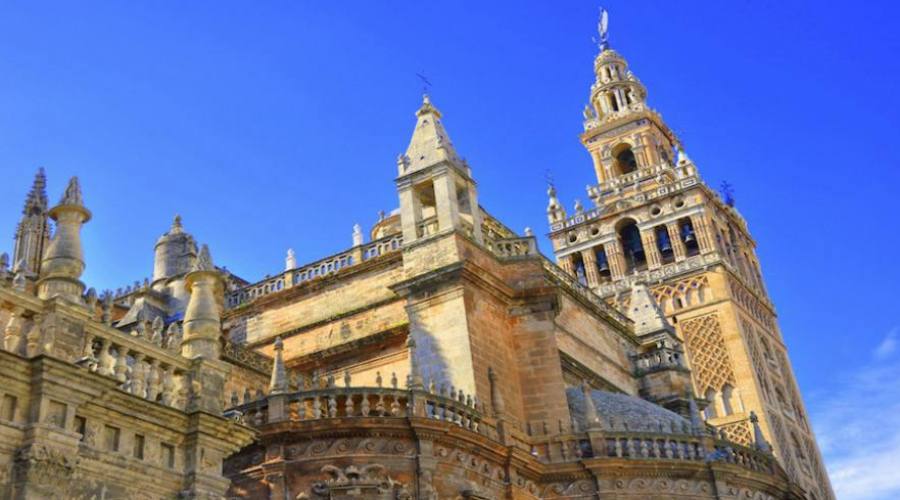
column 603, row 28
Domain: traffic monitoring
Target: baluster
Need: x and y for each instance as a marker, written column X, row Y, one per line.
column 137, row 375
column 364, row 407
column 317, row 407
column 247, row 396
column 654, row 449
column 153, row 383
column 670, row 453
column 395, row 406
column 301, row 409
column 168, row 386
column 630, row 445
column 564, row 450
column 379, row 405
column 348, row 406
column 618, row 447
column 107, row 361
column 121, row 367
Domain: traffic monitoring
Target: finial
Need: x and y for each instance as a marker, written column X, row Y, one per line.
column 37, row 197
column 204, row 260
column 278, row 383
column 72, row 195
column 176, row 228
column 290, row 262
column 528, row 232
column 357, row 235
column 759, row 441
column 696, row 419
column 592, row 420
column 427, row 107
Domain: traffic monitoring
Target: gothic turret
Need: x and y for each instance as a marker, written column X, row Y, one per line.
column 63, row 260
column 33, row 230
column 555, row 211
column 175, row 254
column 202, row 319
column 437, row 192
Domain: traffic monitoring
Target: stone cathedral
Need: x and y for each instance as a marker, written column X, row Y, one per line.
column 440, row 356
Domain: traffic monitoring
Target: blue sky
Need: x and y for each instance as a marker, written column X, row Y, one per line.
column 270, row 125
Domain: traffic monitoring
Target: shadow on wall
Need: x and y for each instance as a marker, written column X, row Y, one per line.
column 432, row 364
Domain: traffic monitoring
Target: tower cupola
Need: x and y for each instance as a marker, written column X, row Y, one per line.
column 175, row 254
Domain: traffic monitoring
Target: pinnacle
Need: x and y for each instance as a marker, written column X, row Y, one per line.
column 36, row 201
column 204, row 260
column 72, row 195
column 645, row 312
column 430, row 144
column 177, row 227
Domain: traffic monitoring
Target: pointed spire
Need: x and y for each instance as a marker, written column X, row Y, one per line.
column 645, row 312
column 697, row 425
column 430, row 143
column 36, row 201
column 592, row 419
column 204, row 260
column 497, row 403
column 72, row 195
column 759, row 441
column 415, row 377
column 279, row 381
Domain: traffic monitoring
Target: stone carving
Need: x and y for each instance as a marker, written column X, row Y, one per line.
column 709, row 357
column 48, row 467
column 367, row 481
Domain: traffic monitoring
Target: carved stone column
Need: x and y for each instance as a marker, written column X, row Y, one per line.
column 705, row 239
column 677, row 244
column 648, row 238
column 616, row 259
column 565, row 262
column 590, row 267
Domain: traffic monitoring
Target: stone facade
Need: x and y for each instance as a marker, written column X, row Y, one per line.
column 445, row 358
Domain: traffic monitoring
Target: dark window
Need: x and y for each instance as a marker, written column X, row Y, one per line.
column 138, row 447
column 80, row 426
column 632, row 247
column 626, row 161
column 664, row 244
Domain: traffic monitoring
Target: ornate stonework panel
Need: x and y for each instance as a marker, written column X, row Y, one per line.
column 654, row 488
column 738, row 432
column 709, row 357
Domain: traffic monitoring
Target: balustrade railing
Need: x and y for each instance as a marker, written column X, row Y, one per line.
column 318, row 269
column 660, row 358
column 509, row 248
column 427, row 227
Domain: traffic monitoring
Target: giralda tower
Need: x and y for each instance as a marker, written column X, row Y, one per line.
column 653, row 220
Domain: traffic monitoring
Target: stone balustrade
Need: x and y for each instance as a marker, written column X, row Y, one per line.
column 315, row 270
column 660, row 358
column 511, row 248
column 427, row 227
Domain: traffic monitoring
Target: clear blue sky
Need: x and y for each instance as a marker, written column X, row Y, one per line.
column 270, row 125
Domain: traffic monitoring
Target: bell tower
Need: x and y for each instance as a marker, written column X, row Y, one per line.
column 653, row 221
column 436, row 189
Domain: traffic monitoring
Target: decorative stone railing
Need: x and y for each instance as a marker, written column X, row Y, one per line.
column 315, row 270
column 647, row 446
column 660, row 358
column 146, row 371
column 572, row 283
column 361, row 402
column 249, row 358
column 511, row 248
column 427, row 227
column 626, row 283
column 142, row 366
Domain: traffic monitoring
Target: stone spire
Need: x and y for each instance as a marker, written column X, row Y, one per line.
column 430, row 143
column 202, row 319
column 63, row 260
column 645, row 312
column 279, row 382
column 759, row 441
column 697, row 426
column 33, row 230
column 591, row 417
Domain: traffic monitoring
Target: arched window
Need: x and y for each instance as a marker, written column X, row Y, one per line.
column 632, row 247
column 710, row 410
column 625, row 161
column 727, row 399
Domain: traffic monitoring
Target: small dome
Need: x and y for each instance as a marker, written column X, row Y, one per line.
column 621, row 412
column 609, row 55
